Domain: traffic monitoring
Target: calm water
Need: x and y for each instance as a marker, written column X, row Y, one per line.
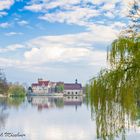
column 52, row 118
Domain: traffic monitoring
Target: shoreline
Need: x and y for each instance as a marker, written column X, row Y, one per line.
column 50, row 94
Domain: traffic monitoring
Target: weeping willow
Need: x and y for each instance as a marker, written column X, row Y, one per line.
column 114, row 96
column 114, row 103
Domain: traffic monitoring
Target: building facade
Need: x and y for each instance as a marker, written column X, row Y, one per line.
column 42, row 87
column 73, row 89
column 47, row 87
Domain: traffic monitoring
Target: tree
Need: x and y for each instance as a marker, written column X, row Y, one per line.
column 16, row 91
column 115, row 93
column 3, row 83
column 133, row 28
column 60, row 88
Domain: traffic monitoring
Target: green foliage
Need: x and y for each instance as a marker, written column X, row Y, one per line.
column 125, row 53
column 16, row 91
column 60, row 88
column 59, row 102
column 15, row 101
column 114, row 95
column 3, row 88
column 3, row 83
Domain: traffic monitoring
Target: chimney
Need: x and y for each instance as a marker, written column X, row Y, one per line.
column 76, row 81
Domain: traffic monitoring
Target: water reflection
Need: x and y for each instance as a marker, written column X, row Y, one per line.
column 15, row 101
column 56, row 118
column 5, row 104
column 3, row 113
column 116, row 112
column 47, row 102
column 52, row 118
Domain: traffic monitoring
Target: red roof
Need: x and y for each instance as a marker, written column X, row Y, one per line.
column 40, row 83
column 43, row 83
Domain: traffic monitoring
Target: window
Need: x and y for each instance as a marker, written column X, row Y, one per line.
column 75, row 92
column 68, row 92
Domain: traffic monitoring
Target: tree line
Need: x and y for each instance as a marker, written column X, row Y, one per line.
column 9, row 89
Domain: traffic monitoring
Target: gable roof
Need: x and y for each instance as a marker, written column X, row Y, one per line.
column 40, row 83
column 45, row 83
column 34, row 84
column 69, row 86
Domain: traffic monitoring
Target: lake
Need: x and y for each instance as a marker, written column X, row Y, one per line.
column 56, row 118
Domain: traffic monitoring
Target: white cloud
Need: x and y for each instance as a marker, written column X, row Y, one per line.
column 6, row 4
column 109, row 14
column 22, row 22
column 70, row 12
column 13, row 33
column 22, row 64
column 118, row 25
column 108, row 1
column 72, row 48
column 47, row 4
column 109, row 6
column 98, row 59
column 56, row 54
column 96, row 33
column 58, row 48
column 12, row 47
column 68, row 48
column 4, row 25
column 100, row 1
column 103, row 33
column 77, row 15
column 34, row 7
column 78, row 12
column 5, row 62
column 3, row 14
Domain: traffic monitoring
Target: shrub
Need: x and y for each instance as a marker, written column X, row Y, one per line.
column 16, row 91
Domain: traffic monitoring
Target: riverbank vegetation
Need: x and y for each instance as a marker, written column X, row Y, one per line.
column 9, row 89
column 16, row 91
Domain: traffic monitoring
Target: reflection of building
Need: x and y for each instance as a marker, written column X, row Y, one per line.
column 46, row 102
column 73, row 89
column 73, row 100
column 39, row 101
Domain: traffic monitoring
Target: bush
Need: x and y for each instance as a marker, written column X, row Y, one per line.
column 16, row 91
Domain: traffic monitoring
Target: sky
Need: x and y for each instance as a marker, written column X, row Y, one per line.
column 58, row 40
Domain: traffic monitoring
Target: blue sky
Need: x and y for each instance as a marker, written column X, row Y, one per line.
column 58, row 40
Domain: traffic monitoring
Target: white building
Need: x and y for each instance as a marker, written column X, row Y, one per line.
column 41, row 87
column 73, row 89
column 47, row 87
